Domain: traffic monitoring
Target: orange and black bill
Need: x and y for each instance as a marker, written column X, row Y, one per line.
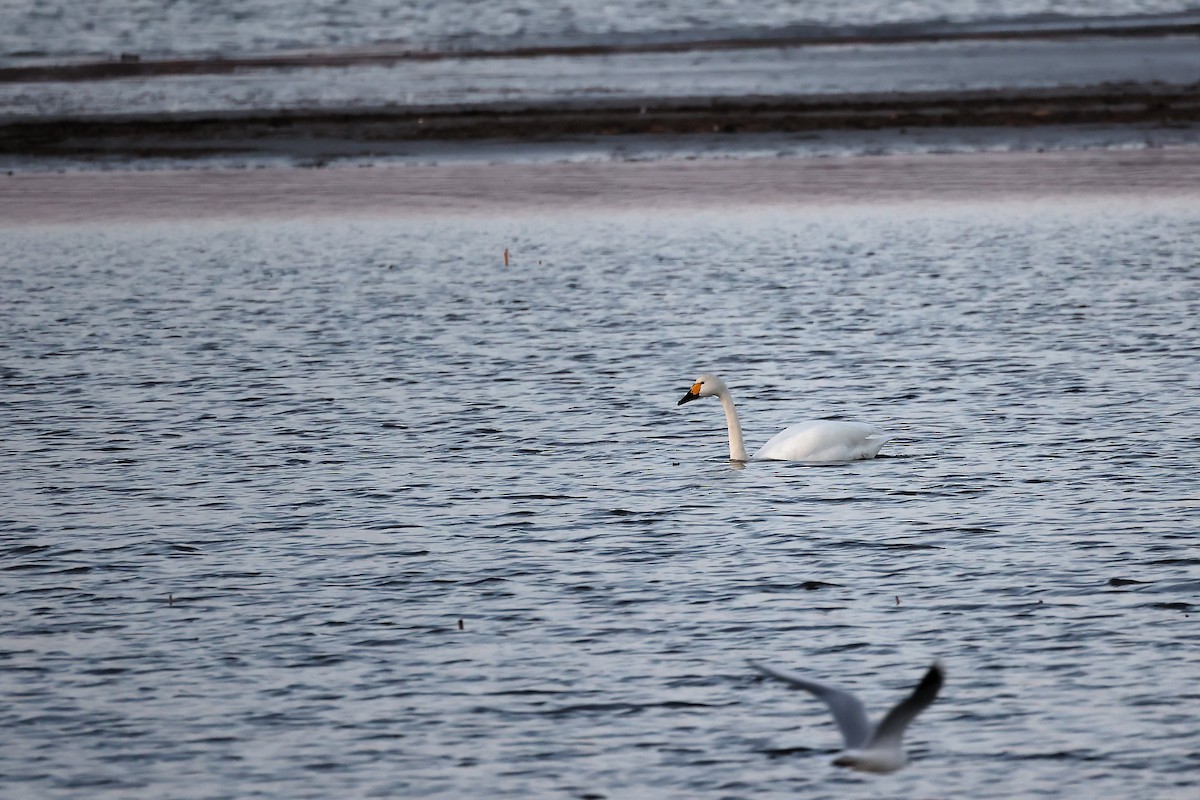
column 693, row 394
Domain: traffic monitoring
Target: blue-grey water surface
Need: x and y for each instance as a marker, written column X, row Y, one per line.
column 59, row 29
column 255, row 474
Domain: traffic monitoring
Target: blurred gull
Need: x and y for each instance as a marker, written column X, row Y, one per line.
column 878, row 750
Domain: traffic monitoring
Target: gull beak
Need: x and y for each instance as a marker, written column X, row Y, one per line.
column 693, row 394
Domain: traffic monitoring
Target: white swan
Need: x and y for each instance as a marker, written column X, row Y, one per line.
column 879, row 749
column 815, row 440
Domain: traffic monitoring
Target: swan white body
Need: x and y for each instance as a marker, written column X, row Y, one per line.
column 815, row 440
column 879, row 749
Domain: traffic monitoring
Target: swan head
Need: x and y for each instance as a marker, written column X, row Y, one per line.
column 705, row 386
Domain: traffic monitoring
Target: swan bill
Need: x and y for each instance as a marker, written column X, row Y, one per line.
column 693, row 394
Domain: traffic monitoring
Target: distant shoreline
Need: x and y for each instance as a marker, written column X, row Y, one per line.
column 328, row 134
column 508, row 188
column 642, row 96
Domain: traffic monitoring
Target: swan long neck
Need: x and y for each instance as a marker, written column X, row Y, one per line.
column 737, row 448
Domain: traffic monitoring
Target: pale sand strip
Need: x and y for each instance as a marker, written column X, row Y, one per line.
column 80, row 197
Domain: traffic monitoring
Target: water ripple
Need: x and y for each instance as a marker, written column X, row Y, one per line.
column 277, row 521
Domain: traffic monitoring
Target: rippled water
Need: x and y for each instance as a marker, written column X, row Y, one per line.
column 349, row 509
column 59, row 29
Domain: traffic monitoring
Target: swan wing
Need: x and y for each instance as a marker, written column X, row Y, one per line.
column 824, row 440
column 847, row 710
column 891, row 728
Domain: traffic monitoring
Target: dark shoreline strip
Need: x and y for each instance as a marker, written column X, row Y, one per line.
column 373, row 131
column 132, row 66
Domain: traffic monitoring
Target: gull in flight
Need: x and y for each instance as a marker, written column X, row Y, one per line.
column 868, row 749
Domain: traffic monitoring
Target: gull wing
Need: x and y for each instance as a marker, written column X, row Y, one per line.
column 891, row 728
column 848, row 711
